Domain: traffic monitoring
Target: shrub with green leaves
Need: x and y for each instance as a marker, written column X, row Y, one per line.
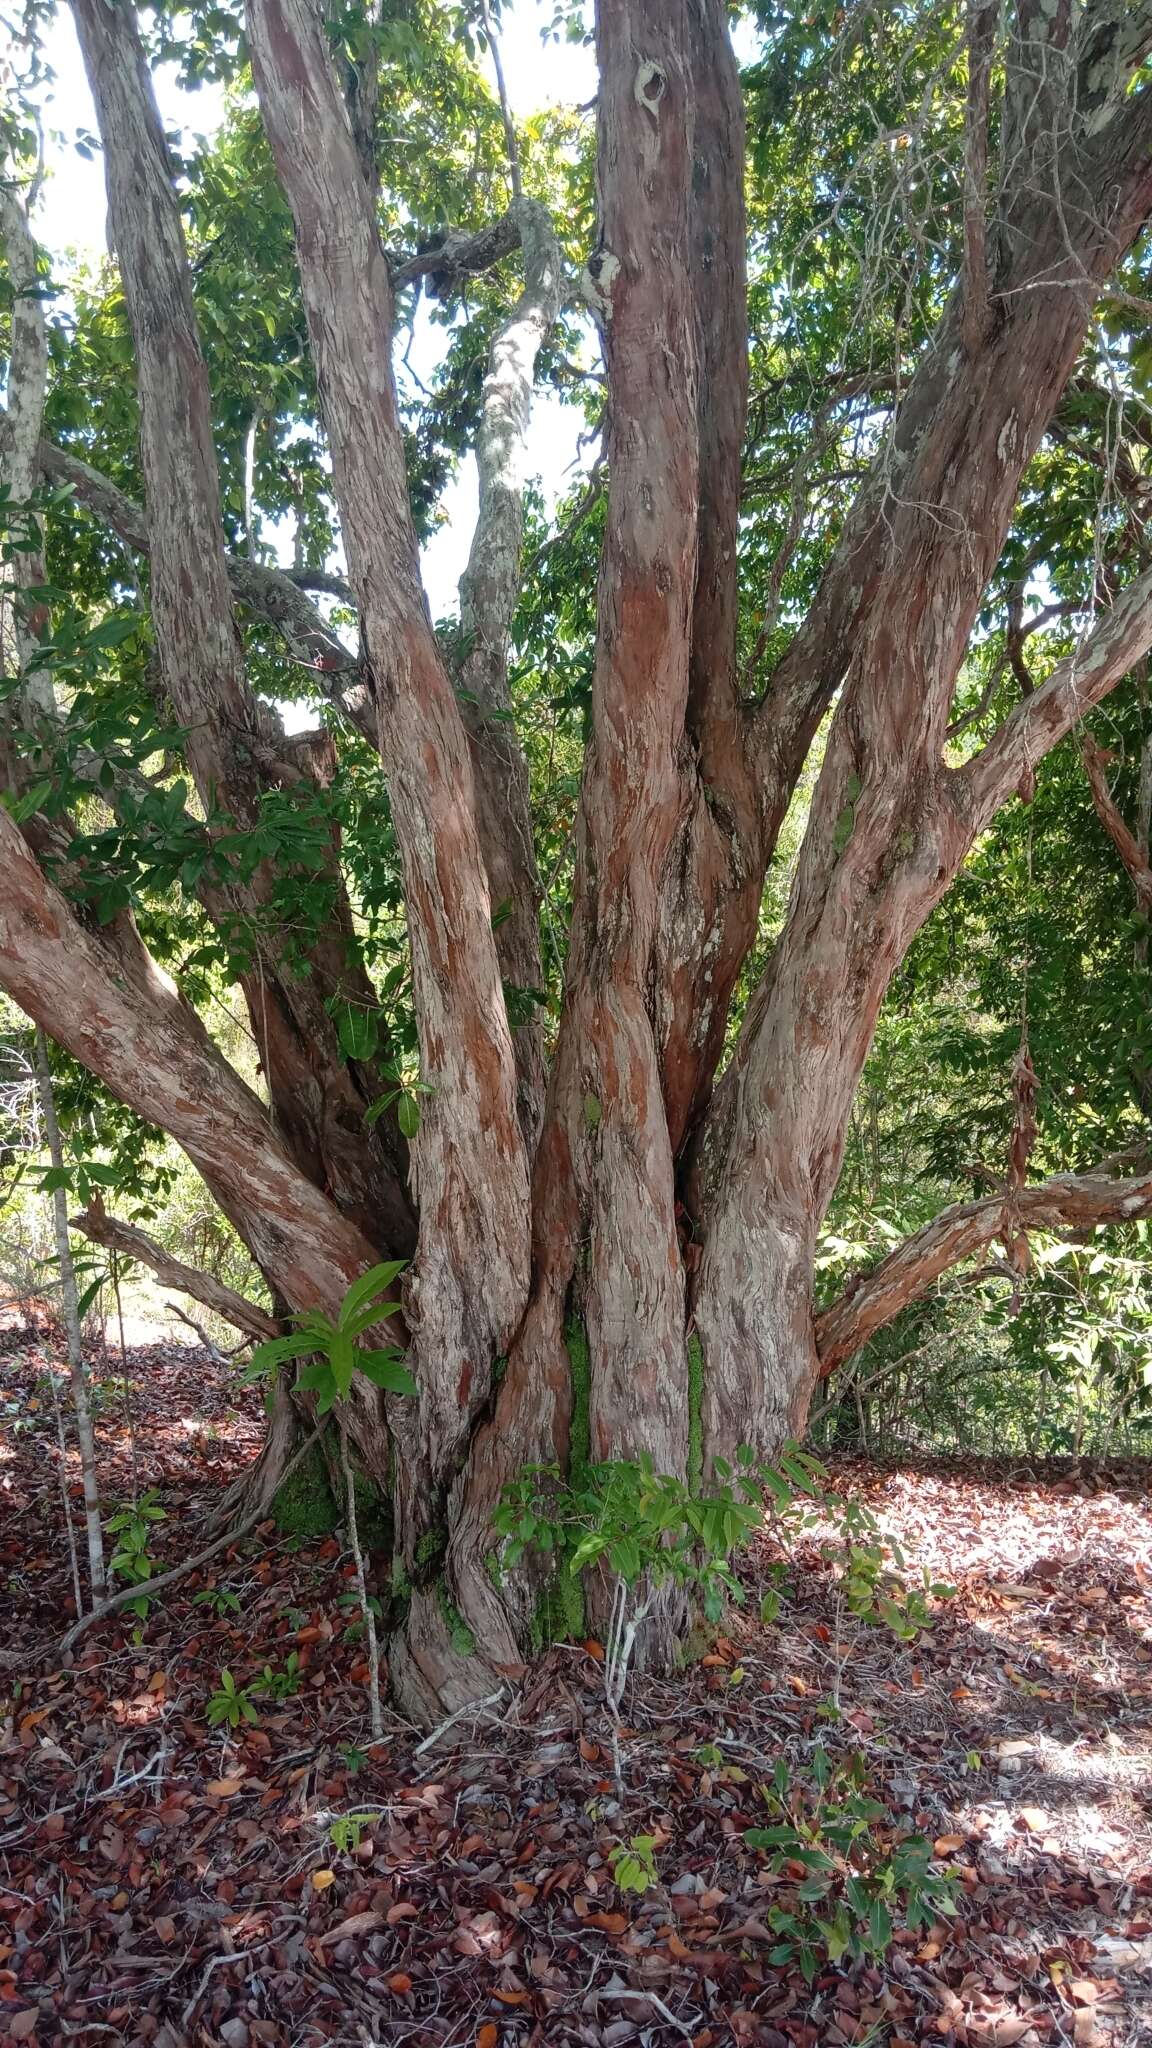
column 231, row 1705
column 283, row 1684
column 633, row 1864
column 638, row 1523
column 219, row 1599
column 860, row 1876
column 647, row 1530
column 334, row 1347
column 347, row 1831
column 132, row 1560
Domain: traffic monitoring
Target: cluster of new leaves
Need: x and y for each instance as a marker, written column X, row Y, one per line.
column 334, row 1347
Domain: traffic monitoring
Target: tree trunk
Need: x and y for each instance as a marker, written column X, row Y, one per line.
column 469, row 1280
column 489, row 590
column 235, row 749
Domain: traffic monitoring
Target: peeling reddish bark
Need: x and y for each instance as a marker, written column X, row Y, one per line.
column 489, row 590
column 104, row 999
column 469, row 1281
column 607, row 1099
column 714, row 876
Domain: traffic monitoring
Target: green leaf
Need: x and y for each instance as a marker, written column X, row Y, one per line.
column 342, row 1359
column 879, row 1927
column 408, row 1115
column 266, row 1357
column 88, row 1297
column 368, row 1287
column 23, row 807
column 376, row 1109
column 386, row 1369
column 358, row 1031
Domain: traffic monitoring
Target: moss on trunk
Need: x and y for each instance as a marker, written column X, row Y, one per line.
column 305, row 1505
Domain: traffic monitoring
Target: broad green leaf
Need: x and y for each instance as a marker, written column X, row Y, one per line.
column 368, row 1287
column 386, row 1369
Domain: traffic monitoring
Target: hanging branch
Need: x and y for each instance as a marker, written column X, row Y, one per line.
column 1082, row 1201
column 510, row 141
column 1133, row 855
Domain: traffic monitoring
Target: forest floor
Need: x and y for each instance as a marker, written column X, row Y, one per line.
column 168, row 1883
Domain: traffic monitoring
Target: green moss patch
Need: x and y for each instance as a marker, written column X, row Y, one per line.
column 695, row 1412
column 304, row 1505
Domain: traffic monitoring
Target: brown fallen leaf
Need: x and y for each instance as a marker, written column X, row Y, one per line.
column 224, row 1788
column 1033, row 1818
column 1006, row 2031
column 356, row 1923
column 1085, row 2032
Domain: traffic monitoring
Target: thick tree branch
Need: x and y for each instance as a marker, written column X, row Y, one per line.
column 470, row 1279
column 106, row 1002
column 489, row 591
column 134, row 1243
column 1074, row 686
column 640, row 284
column 981, row 35
column 276, row 595
column 319, row 1098
column 1133, row 855
column 714, row 874
column 1070, row 1201
column 1116, row 36
column 463, row 252
column 888, row 827
column 22, row 624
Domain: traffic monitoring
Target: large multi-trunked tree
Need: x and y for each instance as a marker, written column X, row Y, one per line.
column 640, row 1183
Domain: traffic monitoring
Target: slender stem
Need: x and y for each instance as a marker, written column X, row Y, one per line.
column 84, row 1431
column 69, row 1522
column 129, row 1415
column 375, row 1704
